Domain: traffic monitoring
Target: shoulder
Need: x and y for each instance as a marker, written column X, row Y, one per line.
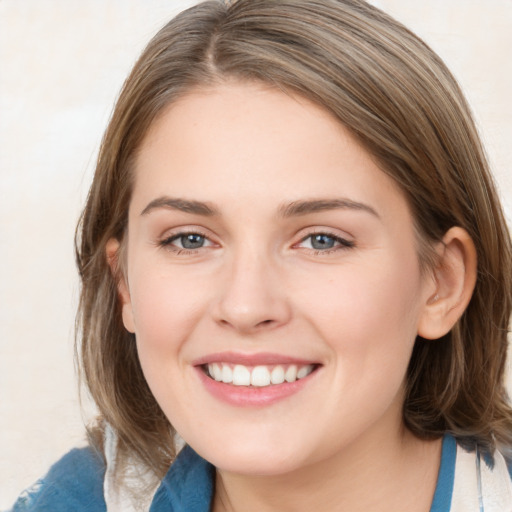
column 469, row 481
column 481, row 479
column 75, row 483
column 188, row 486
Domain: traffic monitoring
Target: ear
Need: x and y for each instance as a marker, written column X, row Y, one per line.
column 454, row 282
column 113, row 255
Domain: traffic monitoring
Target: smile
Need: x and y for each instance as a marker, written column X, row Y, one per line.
column 257, row 376
column 254, row 380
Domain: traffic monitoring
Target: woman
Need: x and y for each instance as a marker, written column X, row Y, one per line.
column 294, row 258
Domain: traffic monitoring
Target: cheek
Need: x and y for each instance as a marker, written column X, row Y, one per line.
column 166, row 312
column 166, row 309
column 369, row 310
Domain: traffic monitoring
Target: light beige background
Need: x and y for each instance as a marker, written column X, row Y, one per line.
column 62, row 63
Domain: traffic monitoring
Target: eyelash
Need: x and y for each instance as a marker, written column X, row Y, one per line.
column 167, row 242
column 344, row 244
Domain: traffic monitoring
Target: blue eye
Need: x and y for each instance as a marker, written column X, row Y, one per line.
column 186, row 242
column 324, row 242
column 192, row 241
column 321, row 241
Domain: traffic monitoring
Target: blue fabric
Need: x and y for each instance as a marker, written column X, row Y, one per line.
column 444, row 489
column 188, row 485
column 75, row 484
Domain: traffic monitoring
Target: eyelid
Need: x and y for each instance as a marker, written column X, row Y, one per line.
column 172, row 238
column 344, row 242
column 170, row 235
column 166, row 240
column 184, row 229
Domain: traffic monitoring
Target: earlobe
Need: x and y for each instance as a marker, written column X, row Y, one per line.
column 112, row 253
column 454, row 278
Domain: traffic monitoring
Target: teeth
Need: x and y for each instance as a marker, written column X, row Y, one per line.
column 304, row 371
column 227, row 374
column 241, row 376
column 277, row 375
column 291, row 374
column 258, row 376
column 215, row 371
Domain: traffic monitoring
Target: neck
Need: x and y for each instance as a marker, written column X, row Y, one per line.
column 397, row 473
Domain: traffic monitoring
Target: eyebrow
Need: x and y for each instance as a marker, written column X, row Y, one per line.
column 183, row 205
column 298, row 208
column 293, row 209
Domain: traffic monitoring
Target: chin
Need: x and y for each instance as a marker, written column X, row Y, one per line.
column 257, row 459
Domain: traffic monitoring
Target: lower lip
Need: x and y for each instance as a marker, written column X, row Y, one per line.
column 249, row 396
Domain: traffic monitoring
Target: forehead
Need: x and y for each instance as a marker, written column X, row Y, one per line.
column 251, row 143
column 252, row 113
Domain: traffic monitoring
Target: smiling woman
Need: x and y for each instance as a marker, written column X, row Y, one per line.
column 254, row 285
column 295, row 263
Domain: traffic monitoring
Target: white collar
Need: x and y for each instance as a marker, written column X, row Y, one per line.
column 478, row 487
column 130, row 488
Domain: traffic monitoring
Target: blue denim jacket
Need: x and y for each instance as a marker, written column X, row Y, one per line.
column 75, row 483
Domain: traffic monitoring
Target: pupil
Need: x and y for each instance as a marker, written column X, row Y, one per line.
column 192, row 241
column 322, row 242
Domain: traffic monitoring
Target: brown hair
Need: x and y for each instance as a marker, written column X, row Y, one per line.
column 399, row 100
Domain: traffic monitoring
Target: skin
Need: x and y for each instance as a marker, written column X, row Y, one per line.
column 258, row 285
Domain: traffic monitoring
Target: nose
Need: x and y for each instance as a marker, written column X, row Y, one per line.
column 252, row 297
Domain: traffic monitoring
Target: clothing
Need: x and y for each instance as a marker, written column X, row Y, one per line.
column 467, row 482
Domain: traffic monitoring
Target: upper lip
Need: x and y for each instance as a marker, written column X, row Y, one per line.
column 262, row 358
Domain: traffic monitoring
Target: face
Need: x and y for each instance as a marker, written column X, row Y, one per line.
column 272, row 281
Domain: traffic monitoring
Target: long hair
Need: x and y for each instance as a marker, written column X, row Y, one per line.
column 395, row 95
